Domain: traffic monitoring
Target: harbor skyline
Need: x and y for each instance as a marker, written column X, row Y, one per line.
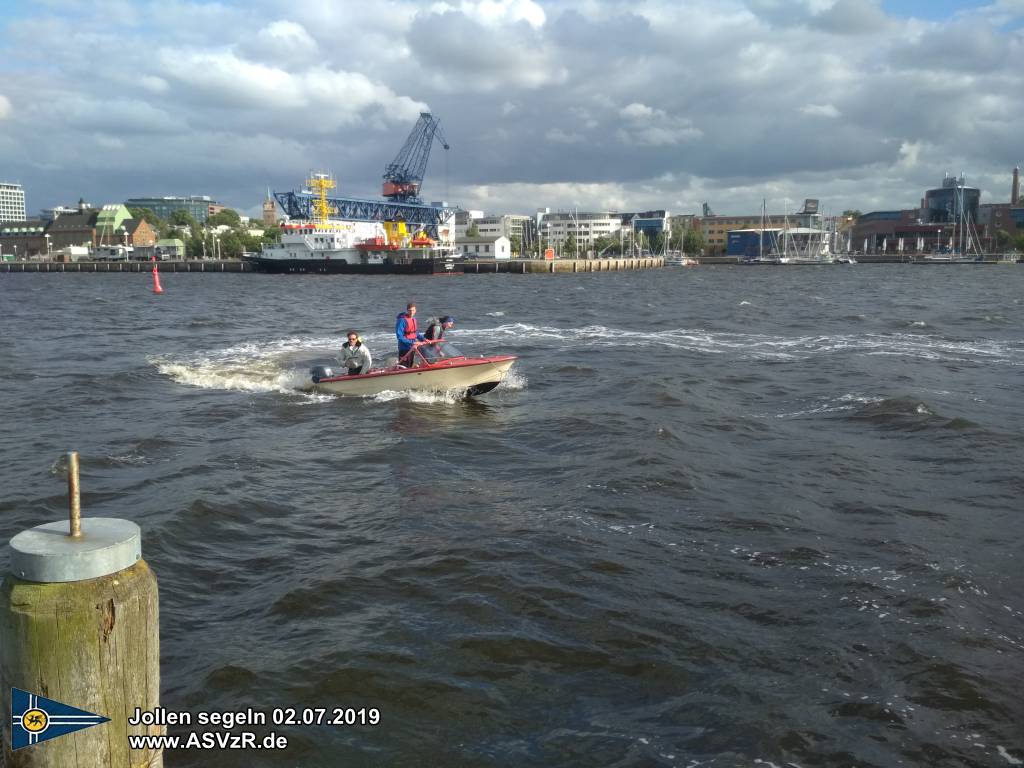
column 610, row 107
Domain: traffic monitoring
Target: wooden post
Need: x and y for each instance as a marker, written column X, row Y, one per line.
column 79, row 624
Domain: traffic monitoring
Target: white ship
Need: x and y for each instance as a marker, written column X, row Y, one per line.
column 332, row 246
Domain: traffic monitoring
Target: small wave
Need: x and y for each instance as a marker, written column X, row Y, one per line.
column 745, row 303
column 430, row 396
column 495, row 314
column 897, row 413
column 847, row 402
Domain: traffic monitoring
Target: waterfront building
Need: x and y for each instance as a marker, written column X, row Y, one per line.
column 140, row 235
column 171, row 248
column 49, row 214
column 464, row 220
column 951, row 202
column 1000, row 217
column 585, row 227
column 715, row 229
column 23, row 239
column 110, row 224
column 12, row 202
column 507, row 225
column 73, row 229
column 649, row 225
column 199, row 207
column 484, row 247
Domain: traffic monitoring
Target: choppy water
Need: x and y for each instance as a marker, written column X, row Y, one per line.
column 718, row 516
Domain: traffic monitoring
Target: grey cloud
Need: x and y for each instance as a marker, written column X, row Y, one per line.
column 645, row 102
column 852, row 17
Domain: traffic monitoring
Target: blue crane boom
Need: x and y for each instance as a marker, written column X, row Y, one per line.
column 404, row 174
column 401, row 188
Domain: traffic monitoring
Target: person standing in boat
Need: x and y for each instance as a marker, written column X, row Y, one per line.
column 435, row 332
column 407, row 333
column 436, row 328
column 355, row 357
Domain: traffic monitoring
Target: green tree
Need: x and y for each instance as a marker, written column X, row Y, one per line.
column 569, row 247
column 852, row 212
column 1018, row 243
column 184, row 219
column 473, row 231
column 147, row 215
column 272, row 235
column 1003, row 238
column 659, row 243
column 230, row 246
column 226, row 217
column 693, row 241
column 194, row 246
column 604, row 244
column 516, row 244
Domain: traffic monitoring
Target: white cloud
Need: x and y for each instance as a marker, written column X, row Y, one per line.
column 636, row 111
column 820, row 110
column 603, row 103
column 497, row 13
column 282, row 42
column 321, row 98
column 651, row 127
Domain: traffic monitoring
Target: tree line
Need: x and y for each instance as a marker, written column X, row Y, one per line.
column 200, row 239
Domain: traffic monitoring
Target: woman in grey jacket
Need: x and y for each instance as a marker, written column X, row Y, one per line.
column 355, row 357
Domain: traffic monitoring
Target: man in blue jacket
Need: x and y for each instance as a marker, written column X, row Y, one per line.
column 407, row 333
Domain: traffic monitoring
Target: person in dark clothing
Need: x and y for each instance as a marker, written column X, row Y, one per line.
column 435, row 332
column 437, row 327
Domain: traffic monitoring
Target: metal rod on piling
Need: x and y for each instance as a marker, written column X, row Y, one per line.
column 74, row 496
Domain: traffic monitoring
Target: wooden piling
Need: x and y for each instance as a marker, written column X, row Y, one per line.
column 80, row 624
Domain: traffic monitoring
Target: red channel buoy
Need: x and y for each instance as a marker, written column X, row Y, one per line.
column 156, row 279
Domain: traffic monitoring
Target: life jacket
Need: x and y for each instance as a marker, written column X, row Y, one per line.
column 410, row 326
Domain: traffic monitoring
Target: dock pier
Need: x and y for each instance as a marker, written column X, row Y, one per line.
column 553, row 266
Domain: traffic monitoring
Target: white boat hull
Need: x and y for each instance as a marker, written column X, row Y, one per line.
column 472, row 375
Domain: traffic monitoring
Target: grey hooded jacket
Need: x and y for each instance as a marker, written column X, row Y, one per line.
column 356, row 357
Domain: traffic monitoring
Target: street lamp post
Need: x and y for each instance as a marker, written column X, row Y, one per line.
column 47, row 237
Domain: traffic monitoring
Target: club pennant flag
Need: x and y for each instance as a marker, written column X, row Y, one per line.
column 37, row 718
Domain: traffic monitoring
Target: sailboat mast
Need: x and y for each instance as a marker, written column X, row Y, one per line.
column 760, row 238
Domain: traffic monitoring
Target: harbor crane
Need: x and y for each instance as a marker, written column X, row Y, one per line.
column 402, row 205
column 404, row 174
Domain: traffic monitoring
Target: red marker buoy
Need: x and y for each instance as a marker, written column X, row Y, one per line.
column 156, row 279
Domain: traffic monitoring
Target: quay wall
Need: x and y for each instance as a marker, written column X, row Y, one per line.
column 544, row 266
column 208, row 265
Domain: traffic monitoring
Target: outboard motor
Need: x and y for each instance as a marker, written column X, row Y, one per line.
column 321, row 372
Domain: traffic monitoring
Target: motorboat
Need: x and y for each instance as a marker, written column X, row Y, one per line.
column 432, row 365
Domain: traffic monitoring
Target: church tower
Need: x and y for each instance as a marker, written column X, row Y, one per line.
column 269, row 210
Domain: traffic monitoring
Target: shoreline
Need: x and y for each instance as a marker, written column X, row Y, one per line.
column 468, row 267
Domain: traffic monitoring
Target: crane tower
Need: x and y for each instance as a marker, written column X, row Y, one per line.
column 404, row 174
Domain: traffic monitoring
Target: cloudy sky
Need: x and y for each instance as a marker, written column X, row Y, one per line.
column 568, row 103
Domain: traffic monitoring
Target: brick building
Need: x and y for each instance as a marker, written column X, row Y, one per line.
column 73, row 229
column 23, row 239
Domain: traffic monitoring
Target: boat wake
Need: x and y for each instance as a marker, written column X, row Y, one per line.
column 270, row 366
column 282, row 365
column 762, row 346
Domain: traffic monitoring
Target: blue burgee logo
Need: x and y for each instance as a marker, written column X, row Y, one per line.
column 37, row 718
